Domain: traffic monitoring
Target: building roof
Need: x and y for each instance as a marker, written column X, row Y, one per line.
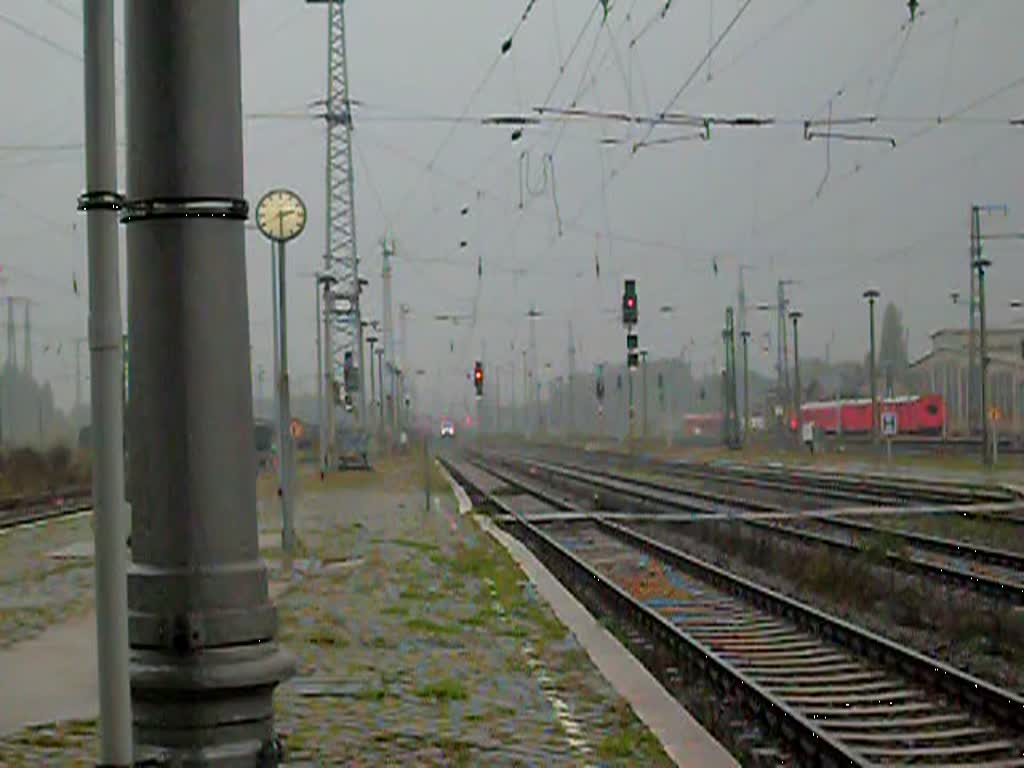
column 1007, row 331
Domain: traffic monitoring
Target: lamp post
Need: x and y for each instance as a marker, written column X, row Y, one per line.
column 745, row 336
column 981, row 265
column 380, row 387
column 372, row 341
column 872, row 295
column 643, row 383
column 325, row 366
column 795, row 316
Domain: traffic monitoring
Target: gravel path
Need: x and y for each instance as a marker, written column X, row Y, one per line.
column 419, row 642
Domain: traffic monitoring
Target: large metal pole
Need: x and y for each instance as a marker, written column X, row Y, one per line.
column 986, row 452
column 286, row 465
column 205, row 660
column 797, row 393
column 109, row 530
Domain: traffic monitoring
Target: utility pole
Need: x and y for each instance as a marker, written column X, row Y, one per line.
column 972, row 355
column 28, row 337
column 571, row 423
column 372, row 341
column 745, row 336
column 327, row 419
column 797, row 394
column 12, row 347
column 533, row 314
column 872, row 296
column 320, row 378
column 730, row 410
column 497, row 399
column 976, row 383
column 380, row 386
column 986, row 453
column 526, row 399
column 78, row 370
column 101, row 202
column 781, row 353
column 342, row 258
column 741, row 308
column 387, row 251
column 205, row 660
column 403, row 330
column 643, row 384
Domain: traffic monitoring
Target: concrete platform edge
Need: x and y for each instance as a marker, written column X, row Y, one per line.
column 683, row 738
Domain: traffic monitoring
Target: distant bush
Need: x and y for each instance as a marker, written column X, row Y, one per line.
column 27, row 470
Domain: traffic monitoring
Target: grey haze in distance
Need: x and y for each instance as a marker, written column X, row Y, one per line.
column 896, row 219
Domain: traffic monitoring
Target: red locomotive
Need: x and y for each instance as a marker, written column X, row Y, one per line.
column 915, row 415
column 702, row 424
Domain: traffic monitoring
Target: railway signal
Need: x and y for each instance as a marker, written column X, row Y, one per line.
column 630, row 304
column 478, row 378
column 351, row 373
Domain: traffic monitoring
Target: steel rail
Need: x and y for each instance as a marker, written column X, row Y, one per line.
column 1003, row 707
column 43, row 507
column 600, row 594
column 667, row 496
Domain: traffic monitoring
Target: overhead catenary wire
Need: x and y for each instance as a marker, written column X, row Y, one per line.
column 49, row 42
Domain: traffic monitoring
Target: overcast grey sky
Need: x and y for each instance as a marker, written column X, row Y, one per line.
column 665, row 215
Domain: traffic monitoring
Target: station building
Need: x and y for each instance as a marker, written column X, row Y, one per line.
column 944, row 371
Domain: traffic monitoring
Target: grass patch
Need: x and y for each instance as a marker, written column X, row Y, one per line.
column 457, row 753
column 430, row 627
column 628, row 741
column 421, row 546
column 445, row 690
column 326, row 639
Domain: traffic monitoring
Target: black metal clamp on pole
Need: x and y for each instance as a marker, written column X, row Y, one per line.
column 205, row 660
column 100, row 200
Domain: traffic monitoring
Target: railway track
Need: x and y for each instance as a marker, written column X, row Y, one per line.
column 830, row 692
column 838, row 487
column 17, row 511
column 994, row 573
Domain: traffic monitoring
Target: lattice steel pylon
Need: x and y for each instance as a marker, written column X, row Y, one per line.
column 341, row 261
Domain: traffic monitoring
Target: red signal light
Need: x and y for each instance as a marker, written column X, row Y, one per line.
column 792, row 423
column 630, row 302
column 479, row 375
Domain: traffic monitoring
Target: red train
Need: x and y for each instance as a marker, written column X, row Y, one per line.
column 702, row 424
column 915, row 415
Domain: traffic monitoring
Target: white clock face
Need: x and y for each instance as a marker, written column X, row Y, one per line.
column 281, row 215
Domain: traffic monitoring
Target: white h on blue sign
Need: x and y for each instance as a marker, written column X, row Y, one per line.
column 890, row 425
